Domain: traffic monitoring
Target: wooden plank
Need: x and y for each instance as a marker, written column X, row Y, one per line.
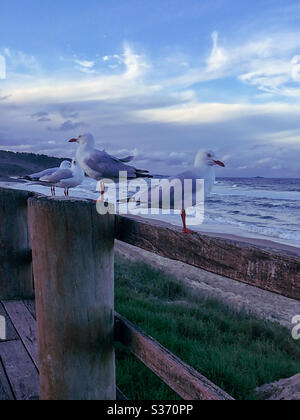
column 30, row 305
column 15, row 255
column 73, row 261
column 25, row 326
column 274, row 270
column 5, row 389
column 183, row 379
column 121, row 396
column 11, row 333
column 21, row 372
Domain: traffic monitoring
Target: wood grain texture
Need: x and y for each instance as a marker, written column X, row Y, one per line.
column 269, row 269
column 15, row 256
column 21, row 372
column 25, row 326
column 120, row 395
column 30, row 305
column 183, row 379
column 73, row 261
column 6, row 393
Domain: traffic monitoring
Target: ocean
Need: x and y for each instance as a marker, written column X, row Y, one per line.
column 250, row 207
column 257, row 206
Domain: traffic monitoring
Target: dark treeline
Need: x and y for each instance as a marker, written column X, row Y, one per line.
column 19, row 164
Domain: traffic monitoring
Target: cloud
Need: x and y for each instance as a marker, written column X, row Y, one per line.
column 40, row 114
column 264, row 161
column 285, row 137
column 219, row 57
column 274, row 76
column 85, row 66
column 68, row 126
column 166, row 111
column 267, row 62
column 135, row 64
column 213, row 113
column 100, row 87
column 69, row 112
column 18, row 63
column 40, row 120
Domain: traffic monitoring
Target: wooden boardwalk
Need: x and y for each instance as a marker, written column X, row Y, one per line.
column 19, row 376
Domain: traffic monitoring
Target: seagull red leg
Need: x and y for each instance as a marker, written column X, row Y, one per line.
column 102, row 191
column 183, row 217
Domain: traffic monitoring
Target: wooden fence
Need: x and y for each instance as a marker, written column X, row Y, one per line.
column 73, row 268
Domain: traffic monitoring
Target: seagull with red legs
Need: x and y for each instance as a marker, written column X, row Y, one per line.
column 203, row 169
column 46, row 173
column 64, row 178
column 99, row 165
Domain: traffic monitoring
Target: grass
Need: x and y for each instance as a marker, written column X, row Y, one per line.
column 235, row 350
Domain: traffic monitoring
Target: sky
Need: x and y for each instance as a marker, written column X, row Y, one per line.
column 159, row 79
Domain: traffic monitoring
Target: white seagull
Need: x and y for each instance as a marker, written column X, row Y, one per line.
column 204, row 169
column 47, row 172
column 99, row 164
column 64, row 178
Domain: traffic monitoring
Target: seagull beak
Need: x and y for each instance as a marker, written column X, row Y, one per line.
column 73, row 141
column 219, row 163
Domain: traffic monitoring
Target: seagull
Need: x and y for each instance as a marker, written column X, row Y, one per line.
column 47, row 172
column 204, row 169
column 99, row 165
column 64, row 178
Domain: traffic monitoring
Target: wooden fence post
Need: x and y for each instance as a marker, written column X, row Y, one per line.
column 15, row 255
column 73, row 262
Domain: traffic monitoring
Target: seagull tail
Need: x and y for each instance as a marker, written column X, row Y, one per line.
column 143, row 175
column 142, row 171
column 127, row 159
column 26, row 178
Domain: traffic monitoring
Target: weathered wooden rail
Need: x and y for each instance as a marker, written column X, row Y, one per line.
column 275, row 270
column 182, row 378
column 73, row 267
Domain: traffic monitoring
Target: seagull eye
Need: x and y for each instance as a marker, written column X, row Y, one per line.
column 209, row 155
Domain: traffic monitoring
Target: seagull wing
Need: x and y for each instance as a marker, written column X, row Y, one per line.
column 127, row 159
column 58, row 176
column 38, row 175
column 106, row 165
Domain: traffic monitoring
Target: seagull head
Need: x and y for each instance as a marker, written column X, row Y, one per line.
column 77, row 170
column 207, row 158
column 75, row 164
column 84, row 139
column 65, row 164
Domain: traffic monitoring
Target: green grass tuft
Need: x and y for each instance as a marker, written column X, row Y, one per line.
column 235, row 350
